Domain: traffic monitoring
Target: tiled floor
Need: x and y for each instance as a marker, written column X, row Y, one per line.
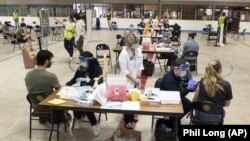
column 14, row 109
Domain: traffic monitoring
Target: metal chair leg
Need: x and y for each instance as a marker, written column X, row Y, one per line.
column 30, row 123
column 152, row 123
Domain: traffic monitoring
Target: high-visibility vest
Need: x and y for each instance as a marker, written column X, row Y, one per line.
column 221, row 20
column 69, row 30
column 15, row 15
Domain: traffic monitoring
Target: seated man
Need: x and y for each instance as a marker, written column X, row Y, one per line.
column 120, row 40
column 39, row 80
column 7, row 33
column 22, row 36
column 85, row 74
column 178, row 79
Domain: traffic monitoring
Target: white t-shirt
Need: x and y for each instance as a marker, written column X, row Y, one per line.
column 80, row 29
column 130, row 64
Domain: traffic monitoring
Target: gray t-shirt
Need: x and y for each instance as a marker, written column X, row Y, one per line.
column 190, row 45
column 40, row 80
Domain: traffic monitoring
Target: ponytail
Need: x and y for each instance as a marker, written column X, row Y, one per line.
column 212, row 75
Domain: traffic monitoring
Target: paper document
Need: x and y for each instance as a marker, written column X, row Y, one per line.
column 56, row 101
column 131, row 105
column 100, row 94
column 170, row 97
column 69, row 93
column 112, row 105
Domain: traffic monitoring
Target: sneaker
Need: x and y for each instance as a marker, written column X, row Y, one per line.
column 129, row 125
column 135, row 118
column 70, row 58
column 78, row 124
column 96, row 129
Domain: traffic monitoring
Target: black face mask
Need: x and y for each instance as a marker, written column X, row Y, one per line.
column 49, row 64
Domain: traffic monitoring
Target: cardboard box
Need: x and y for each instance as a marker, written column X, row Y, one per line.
column 126, row 134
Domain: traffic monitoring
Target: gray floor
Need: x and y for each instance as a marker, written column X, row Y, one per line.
column 15, row 109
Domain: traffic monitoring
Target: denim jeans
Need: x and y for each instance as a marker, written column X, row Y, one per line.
column 69, row 46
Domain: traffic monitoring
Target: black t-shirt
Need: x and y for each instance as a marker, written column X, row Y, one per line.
column 220, row 96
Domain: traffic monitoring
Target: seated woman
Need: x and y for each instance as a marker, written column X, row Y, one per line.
column 88, row 70
column 190, row 45
column 23, row 37
column 213, row 87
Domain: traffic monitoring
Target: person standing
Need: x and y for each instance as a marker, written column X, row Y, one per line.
column 69, row 35
column 16, row 18
column 109, row 15
column 80, row 31
column 131, row 65
column 222, row 20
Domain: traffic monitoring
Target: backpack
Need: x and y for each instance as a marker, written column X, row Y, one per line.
column 149, row 67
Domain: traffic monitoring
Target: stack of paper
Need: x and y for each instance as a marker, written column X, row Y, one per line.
column 100, row 94
column 131, row 105
column 170, row 97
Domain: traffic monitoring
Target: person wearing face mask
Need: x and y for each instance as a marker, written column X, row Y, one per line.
column 88, row 70
column 131, row 65
column 179, row 79
column 23, row 37
column 39, row 80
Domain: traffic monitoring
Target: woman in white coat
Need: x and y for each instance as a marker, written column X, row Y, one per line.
column 131, row 65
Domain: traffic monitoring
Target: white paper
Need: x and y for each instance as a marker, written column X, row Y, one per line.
column 170, row 97
column 68, row 92
column 131, row 105
column 112, row 105
column 100, row 94
column 152, row 92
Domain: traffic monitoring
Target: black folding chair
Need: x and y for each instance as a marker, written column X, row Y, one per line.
column 191, row 58
column 207, row 113
column 42, row 114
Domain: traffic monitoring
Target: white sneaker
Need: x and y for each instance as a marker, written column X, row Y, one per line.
column 78, row 124
column 96, row 129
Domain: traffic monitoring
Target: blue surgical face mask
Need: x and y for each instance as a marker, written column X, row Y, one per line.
column 135, row 46
column 183, row 73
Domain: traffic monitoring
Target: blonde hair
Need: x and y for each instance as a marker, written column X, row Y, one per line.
column 212, row 75
column 130, row 39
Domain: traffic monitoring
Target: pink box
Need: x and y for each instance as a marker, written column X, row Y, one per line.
column 116, row 92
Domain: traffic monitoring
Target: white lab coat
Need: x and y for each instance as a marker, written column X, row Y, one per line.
column 130, row 64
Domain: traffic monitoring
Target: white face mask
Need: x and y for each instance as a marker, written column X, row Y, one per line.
column 135, row 46
column 183, row 73
column 84, row 64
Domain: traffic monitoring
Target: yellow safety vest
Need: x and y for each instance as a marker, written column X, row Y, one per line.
column 69, row 30
column 15, row 15
column 221, row 20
